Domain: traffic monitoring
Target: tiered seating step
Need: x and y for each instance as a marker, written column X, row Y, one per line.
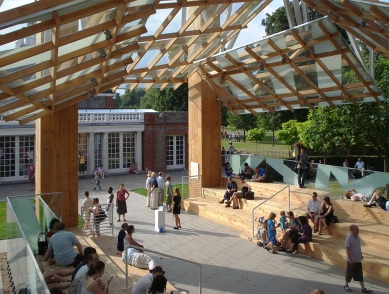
column 328, row 247
column 106, row 248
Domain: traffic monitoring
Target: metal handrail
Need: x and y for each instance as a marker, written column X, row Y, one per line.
column 252, row 212
column 156, row 252
column 110, row 205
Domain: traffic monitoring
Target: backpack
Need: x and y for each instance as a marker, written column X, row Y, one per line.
column 262, row 231
column 75, row 285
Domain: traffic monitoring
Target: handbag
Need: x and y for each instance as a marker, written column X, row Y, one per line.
column 249, row 195
column 42, row 243
column 101, row 217
column 334, row 219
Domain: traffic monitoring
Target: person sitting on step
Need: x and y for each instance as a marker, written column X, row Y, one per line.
column 231, row 189
column 235, row 197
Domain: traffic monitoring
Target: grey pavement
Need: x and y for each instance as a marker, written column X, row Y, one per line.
column 229, row 263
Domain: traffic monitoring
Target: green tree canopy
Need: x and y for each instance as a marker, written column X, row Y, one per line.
column 289, row 133
column 243, row 122
column 129, row 99
column 256, row 135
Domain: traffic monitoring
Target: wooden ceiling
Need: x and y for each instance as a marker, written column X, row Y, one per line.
column 308, row 66
column 81, row 48
column 366, row 20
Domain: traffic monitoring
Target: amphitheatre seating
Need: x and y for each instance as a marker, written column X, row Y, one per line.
column 328, row 247
column 106, row 248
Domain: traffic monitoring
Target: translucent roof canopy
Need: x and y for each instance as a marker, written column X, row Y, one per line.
column 366, row 20
column 68, row 51
column 310, row 65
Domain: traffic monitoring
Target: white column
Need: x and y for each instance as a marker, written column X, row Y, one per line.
column 138, row 150
column 91, row 153
column 104, row 152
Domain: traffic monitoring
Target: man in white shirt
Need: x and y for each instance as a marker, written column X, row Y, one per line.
column 142, row 286
column 360, row 165
column 91, row 259
column 160, row 187
column 313, row 209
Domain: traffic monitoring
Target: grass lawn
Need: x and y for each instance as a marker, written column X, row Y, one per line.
column 184, row 193
column 3, row 220
column 266, row 146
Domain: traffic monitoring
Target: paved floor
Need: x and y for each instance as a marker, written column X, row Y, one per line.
column 229, row 263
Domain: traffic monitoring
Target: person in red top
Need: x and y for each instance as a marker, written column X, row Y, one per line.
column 121, row 201
column 53, row 228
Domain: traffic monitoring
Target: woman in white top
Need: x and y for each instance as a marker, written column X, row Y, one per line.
column 92, row 284
column 147, row 188
column 96, row 214
column 109, row 209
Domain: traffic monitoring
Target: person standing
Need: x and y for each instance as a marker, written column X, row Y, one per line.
column 147, row 188
column 97, row 180
column 301, row 161
column 354, row 259
column 177, row 208
column 160, row 188
column 121, row 205
column 31, row 175
column 85, row 206
column 109, row 209
column 153, row 188
column 95, row 210
column 360, row 165
column 81, row 163
column 169, row 194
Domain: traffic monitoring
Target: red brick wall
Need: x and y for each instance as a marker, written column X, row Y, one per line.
column 154, row 137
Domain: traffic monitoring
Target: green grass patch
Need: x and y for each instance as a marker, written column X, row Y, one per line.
column 7, row 227
column 183, row 190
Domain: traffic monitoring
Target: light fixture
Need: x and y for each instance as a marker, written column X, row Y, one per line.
column 161, row 114
column 283, row 61
column 107, row 34
column 102, row 53
column 90, row 93
column 261, row 67
column 363, row 24
column 94, row 81
column 307, row 53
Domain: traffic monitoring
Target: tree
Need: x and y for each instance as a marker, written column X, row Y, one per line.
column 172, row 100
column 256, row 135
column 243, row 122
column 270, row 121
column 148, row 100
column 224, row 115
column 289, row 133
column 323, row 130
column 130, row 99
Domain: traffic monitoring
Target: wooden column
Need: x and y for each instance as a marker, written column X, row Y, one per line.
column 204, row 130
column 57, row 160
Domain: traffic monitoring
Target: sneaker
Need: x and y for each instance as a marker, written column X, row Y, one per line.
column 236, row 207
column 303, row 187
column 228, row 205
column 221, row 202
column 367, row 205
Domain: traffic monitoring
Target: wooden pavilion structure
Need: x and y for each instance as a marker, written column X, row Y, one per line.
column 69, row 50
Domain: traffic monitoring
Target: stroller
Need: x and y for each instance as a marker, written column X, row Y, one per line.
column 262, row 235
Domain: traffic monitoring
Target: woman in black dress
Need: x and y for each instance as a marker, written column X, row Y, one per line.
column 177, row 208
column 326, row 213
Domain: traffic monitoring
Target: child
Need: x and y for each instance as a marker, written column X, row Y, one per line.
column 97, row 180
column 121, row 236
column 283, row 222
column 100, row 169
column 271, row 231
